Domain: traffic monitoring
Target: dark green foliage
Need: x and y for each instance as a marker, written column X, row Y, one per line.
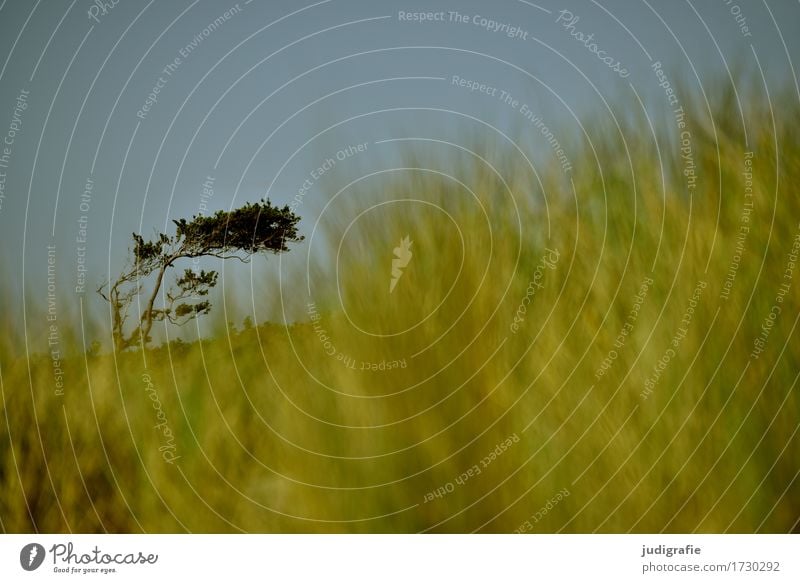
column 252, row 228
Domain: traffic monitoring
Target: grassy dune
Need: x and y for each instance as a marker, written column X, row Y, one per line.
column 511, row 381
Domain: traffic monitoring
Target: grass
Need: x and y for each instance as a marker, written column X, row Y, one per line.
column 273, row 434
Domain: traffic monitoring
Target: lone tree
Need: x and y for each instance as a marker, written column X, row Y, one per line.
column 241, row 233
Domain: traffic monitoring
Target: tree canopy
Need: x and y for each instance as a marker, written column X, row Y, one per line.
column 239, row 233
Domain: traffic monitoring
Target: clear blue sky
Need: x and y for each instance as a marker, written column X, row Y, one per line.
column 256, row 95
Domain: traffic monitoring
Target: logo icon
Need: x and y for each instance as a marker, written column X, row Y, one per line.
column 31, row 556
column 402, row 256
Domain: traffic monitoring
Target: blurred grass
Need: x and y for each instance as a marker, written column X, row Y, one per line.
column 275, row 435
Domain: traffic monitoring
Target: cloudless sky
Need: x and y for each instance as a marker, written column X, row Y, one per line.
column 265, row 95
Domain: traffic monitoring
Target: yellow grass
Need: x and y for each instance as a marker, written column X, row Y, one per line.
column 274, row 434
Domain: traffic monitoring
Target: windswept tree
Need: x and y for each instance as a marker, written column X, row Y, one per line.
column 241, row 233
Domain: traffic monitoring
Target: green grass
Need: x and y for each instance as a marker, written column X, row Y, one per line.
column 274, row 435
